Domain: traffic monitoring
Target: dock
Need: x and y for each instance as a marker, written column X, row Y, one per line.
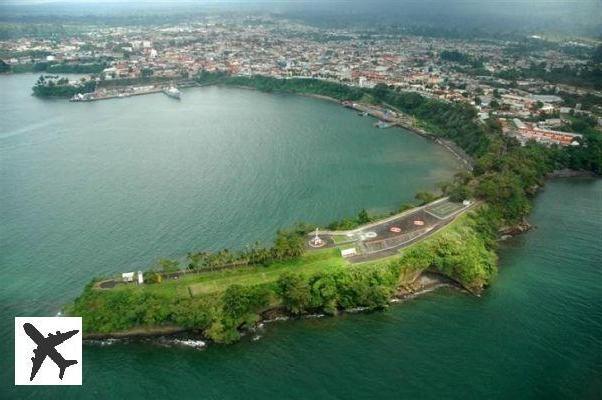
column 96, row 96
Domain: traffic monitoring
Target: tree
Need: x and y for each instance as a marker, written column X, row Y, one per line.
column 167, row 266
column 363, row 217
column 238, row 301
column 191, row 313
column 294, row 291
column 323, row 292
column 459, row 193
column 425, row 197
column 288, row 245
column 222, row 332
column 152, row 277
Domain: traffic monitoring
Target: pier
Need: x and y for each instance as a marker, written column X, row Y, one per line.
column 120, row 92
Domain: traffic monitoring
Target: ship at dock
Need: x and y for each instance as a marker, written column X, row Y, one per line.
column 173, row 92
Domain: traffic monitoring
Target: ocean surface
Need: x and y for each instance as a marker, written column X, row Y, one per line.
column 98, row 188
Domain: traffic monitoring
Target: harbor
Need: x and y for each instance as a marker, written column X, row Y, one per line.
column 171, row 91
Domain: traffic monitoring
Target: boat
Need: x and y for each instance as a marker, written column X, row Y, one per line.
column 173, row 92
column 382, row 124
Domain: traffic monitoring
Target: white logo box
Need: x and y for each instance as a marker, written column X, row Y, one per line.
column 69, row 351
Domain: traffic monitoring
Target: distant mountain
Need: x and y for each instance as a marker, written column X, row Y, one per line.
column 579, row 17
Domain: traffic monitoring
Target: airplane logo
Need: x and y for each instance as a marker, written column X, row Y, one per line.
column 46, row 348
column 48, row 351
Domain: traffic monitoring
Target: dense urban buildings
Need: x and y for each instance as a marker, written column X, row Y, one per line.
column 533, row 86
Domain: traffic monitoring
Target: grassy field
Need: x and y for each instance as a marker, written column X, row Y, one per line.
column 326, row 260
column 218, row 281
column 338, row 239
column 320, row 280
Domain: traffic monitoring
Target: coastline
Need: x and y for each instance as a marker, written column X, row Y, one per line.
column 424, row 283
column 476, row 280
column 460, row 155
column 570, row 173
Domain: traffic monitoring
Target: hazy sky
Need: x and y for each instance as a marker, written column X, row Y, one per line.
column 510, row 13
column 478, row 3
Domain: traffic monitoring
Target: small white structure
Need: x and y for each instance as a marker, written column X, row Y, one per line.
column 128, row 276
column 140, row 278
column 466, row 203
column 316, row 241
column 348, row 252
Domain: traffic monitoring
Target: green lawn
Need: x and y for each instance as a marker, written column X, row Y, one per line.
column 217, row 281
column 338, row 239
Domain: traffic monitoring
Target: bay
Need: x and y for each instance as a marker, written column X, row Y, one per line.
column 99, row 188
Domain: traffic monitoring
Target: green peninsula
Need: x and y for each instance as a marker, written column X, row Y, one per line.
column 220, row 294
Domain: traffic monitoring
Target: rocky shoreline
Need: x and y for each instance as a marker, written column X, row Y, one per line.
column 510, row 231
column 425, row 282
column 570, row 173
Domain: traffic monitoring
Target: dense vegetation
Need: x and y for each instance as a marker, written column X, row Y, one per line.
column 301, row 86
column 506, row 177
column 83, row 68
column 461, row 58
column 588, row 101
column 57, row 68
column 588, row 76
column 51, row 87
column 463, row 251
column 288, row 245
column 221, row 315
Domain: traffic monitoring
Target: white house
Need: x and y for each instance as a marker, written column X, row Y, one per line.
column 128, row 276
column 348, row 252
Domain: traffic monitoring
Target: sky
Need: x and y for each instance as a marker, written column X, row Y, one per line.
column 514, row 14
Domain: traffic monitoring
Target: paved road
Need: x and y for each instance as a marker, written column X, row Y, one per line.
column 386, row 237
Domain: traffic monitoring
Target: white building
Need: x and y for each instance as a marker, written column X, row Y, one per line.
column 128, row 276
column 348, row 252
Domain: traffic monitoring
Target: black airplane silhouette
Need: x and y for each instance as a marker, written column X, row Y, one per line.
column 46, row 347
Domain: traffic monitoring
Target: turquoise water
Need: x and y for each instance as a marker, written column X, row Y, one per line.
column 98, row 188
column 84, row 199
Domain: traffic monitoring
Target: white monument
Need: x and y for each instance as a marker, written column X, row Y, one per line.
column 316, row 241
